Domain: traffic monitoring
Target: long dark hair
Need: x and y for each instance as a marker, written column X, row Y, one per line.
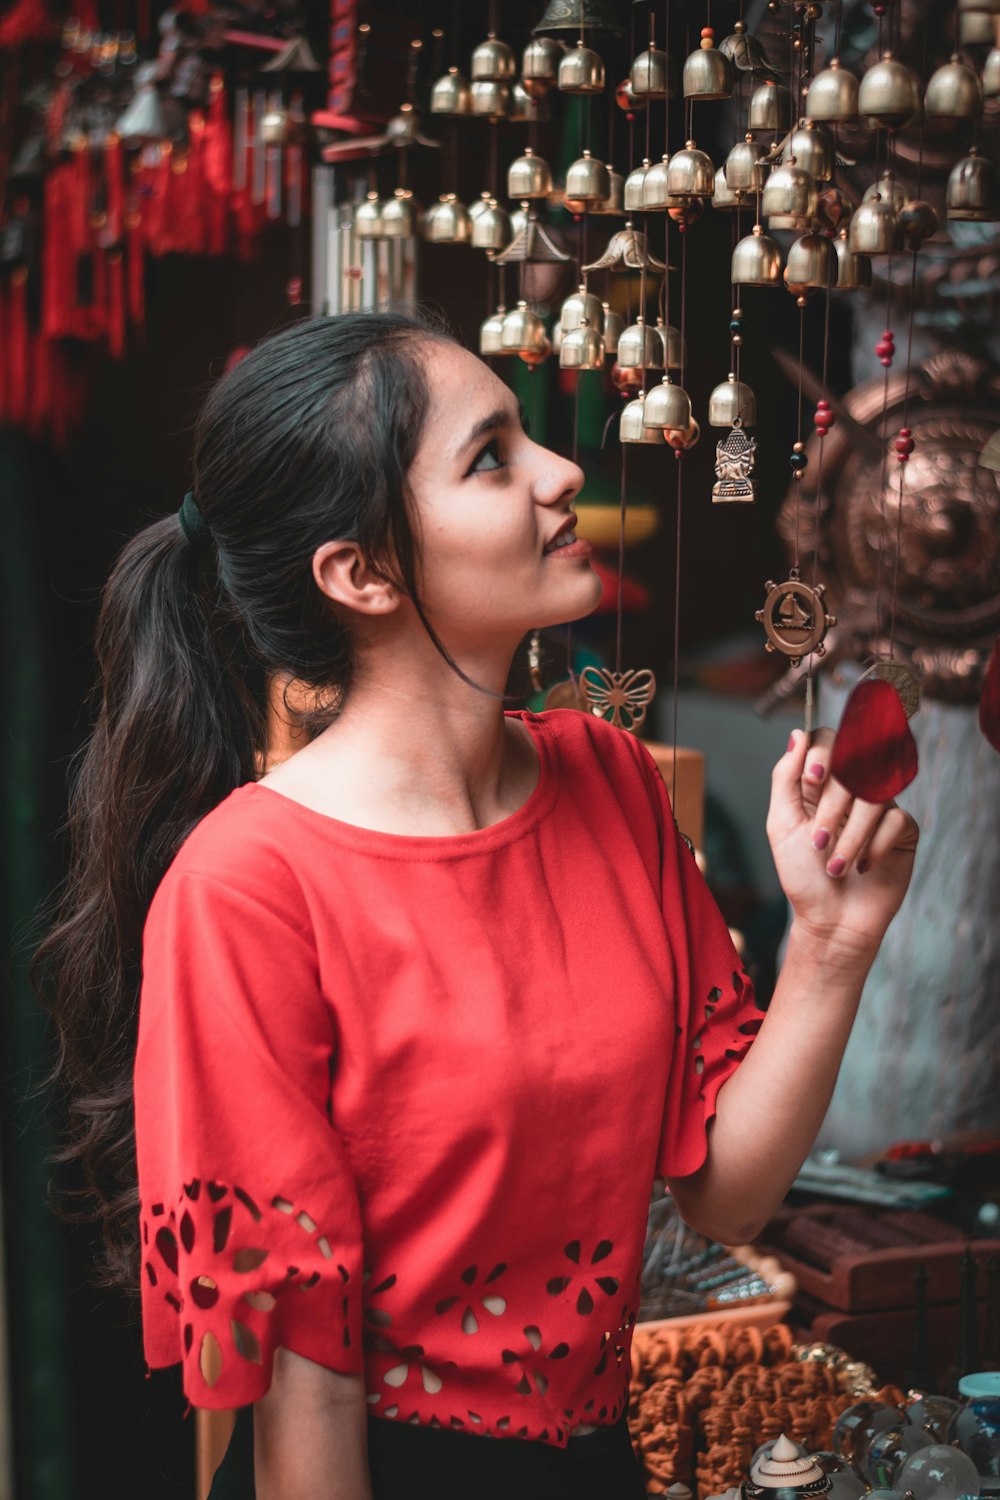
column 309, row 438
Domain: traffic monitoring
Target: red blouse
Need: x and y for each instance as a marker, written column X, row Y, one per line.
column 400, row 1100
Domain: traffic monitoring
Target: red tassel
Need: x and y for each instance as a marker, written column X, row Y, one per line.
column 41, row 385
column 874, row 755
column 18, row 372
column 86, row 13
column 116, row 304
column 989, row 701
column 26, row 21
column 217, row 167
column 114, row 179
column 4, row 351
column 135, row 271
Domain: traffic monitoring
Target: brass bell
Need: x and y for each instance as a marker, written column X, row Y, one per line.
column 528, row 176
column 889, row 94
column 493, row 61
column 887, row 187
column 975, row 29
column 991, row 74
column 918, row 220
column 614, row 203
column 451, row 94
column 973, row 190
column 525, row 108
column 811, row 148
column 581, row 71
column 654, row 185
column 490, row 97
column 667, row 406
column 490, row 333
column 274, row 126
column 614, row 327
column 540, row 65
column 756, row 260
column 731, row 402
column 874, row 228
column 480, row 206
column 744, row 169
column 581, row 307
column 649, row 75
column 397, row 216
column 632, row 192
column 368, row 218
column 854, row 271
column 632, row 427
column 770, row 107
column 587, row 180
column 789, row 190
column 523, row 332
column 582, row 348
column 953, row 93
column 724, row 197
column 690, row 173
column 708, row 73
column 571, row 15
column 557, row 338
column 640, row 347
column 812, row 262
column 833, row 95
column 518, row 221
column 447, row 222
column 491, row 228
column 673, row 346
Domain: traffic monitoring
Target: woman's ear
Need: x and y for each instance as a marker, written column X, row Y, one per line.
column 347, row 578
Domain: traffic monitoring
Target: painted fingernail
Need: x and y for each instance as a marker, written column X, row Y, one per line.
column 837, row 865
column 817, row 770
column 791, row 742
column 821, row 838
column 862, row 866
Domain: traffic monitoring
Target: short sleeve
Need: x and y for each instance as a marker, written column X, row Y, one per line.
column 249, row 1215
column 716, row 1016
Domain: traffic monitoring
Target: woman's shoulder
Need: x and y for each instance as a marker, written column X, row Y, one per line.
column 592, row 743
column 242, row 844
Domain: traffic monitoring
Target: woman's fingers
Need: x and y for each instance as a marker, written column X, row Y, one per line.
column 816, row 769
column 896, row 831
column 831, row 813
column 863, row 820
column 786, row 810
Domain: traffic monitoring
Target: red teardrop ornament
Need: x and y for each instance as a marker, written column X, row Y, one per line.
column 875, row 755
column 989, row 702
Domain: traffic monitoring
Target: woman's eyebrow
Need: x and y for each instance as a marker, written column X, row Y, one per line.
column 502, row 416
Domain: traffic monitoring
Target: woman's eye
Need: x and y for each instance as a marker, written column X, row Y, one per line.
column 489, row 458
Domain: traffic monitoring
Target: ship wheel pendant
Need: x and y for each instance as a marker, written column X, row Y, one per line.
column 905, row 681
column 794, row 618
column 620, row 698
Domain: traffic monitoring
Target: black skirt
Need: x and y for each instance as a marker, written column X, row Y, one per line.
column 407, row 1462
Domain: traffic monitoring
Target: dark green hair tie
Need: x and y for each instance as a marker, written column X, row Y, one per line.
column 193, row 523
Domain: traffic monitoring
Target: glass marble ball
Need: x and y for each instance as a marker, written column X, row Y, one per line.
column 845, row 1482
column 975, row 1425
column 889, row 1450
column 858, row 1425
column 939, row 1472
column 933, row 1413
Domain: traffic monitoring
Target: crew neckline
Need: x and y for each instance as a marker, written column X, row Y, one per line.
column 420, row 845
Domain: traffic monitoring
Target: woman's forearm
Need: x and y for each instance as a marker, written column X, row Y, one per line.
column 769, row 1111
column 311, row 1434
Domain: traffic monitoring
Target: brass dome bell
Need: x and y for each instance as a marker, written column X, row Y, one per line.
column 811, row 147
column 493, row 61
column 481, row 204
column 811, row 262
column 490, row 97
column 673, row 345
column 649, row 75
column 832, row 97
column 789, row 190
column 397, row 216
column 581, row 71
column 667, row 406
column 581, row 348
column 451, row 94
column 587, row 180
column 491, row 228
column 540, row 65
column 724, row 197
column 991, row 74
column 632, row 192
column 525, row 108
column 770, row 107
column 973, row 190
column 756, row 260
column 632, row 427
column 889, row 94
column 655, row 193
column 854, row 271
column 744, row 170
column 918, row 220
column 874, row 229
column 581, row 307
column 954, row 92
column 614, row 203
column 640, row 347
column 523, row 332
column 490, row 333
column 690, row 173
column 528, row 176
column 887, row 187
column 975, row 28
column 708, row 73
column 732, row 401
column 447, row 222
column 368, row 218
column 614, row 327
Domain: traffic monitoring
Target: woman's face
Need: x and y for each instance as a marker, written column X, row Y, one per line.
column 489, row 503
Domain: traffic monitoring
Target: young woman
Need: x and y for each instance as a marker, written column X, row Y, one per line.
column 426, row 1008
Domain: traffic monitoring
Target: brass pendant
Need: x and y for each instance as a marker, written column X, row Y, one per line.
column 535, row 661
column 566, row 694
column 794, row 618
column 735, row 459
column 902, row 678
column 620, row 698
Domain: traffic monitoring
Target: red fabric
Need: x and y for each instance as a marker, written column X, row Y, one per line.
column 430, row 1080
